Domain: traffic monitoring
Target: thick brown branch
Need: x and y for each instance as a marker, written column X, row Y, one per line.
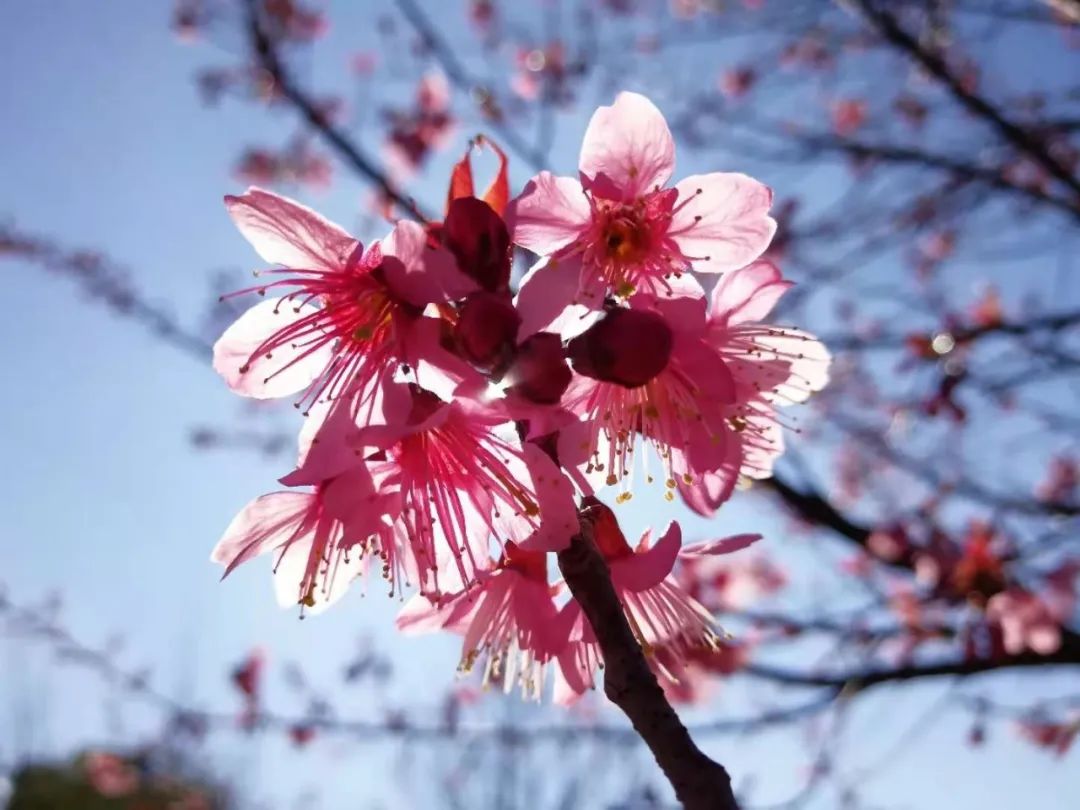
column 266, row 53
column 631, row 685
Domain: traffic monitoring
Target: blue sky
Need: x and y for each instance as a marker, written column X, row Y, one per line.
column 106, row 145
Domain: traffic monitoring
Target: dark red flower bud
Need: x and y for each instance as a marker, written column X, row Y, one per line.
column 627, row 346
column 480, row 242
column 539, row 371
column 486, row 329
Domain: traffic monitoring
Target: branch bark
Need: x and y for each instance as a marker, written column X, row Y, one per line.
column 630, row 684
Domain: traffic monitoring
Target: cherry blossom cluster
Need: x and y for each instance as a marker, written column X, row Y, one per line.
column 458, row 432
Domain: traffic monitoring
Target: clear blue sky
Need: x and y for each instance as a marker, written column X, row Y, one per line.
column 106, row 145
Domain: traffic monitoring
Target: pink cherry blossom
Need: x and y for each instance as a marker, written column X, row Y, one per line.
column 729, row 583
column 347, row 314
column 647, row 372
column 1056, row 736
column 618, row 229
column 701, row 387
column 848, row 115
column 464, row 478
column 770, row 366
column 659, row 610
column 321, row 540
column 507, row 618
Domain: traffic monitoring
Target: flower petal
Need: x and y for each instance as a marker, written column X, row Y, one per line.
column 809, row 362
column 547, row 300
column 721, row 221
column 420, row 271
column 709, row 491
column 629, row 143
column 644, row 569
column 747, row 294
column 293, row 565
column 239, row 356
column 555, row 502
column 283, row 231
column 725, row 545
column 549, row 214
column 267, row 522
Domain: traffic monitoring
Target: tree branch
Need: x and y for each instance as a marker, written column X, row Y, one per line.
column 264, row 49
column 630, row 684
column 861, row 680
column 1023, row 140
column 461, row 78
column 969, row 172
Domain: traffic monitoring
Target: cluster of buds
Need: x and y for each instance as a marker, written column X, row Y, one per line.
column 456, row 433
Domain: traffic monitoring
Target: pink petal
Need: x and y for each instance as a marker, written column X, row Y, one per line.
column 547, row 300
column 629, row 143
column 420, row 272
column 808, row 359
column 438, row 369
column 759, row 455
column 681, row 301
column 724, row 546
column 555, row 500
column 421, row 615
column 264, row 524
column 549, row 214
column 726, row 225
column 644, row 570
column 574, row 675
column 283, row 231
column 265, row 377
column 702, row 365
column 748, row 294
column 292, row 566
column 709, row 491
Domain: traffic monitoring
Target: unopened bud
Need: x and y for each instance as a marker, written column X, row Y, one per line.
column 486, row 329
column 627, row 346
column 480, row 242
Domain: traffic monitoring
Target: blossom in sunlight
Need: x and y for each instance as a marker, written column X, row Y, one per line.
column 660, row 612
column 619, row 230
column 321, row 540
column 456, row 434
column 770, row 366
column 698, row 381
column 507, row 619
column 344, row 314
column 460, row 481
